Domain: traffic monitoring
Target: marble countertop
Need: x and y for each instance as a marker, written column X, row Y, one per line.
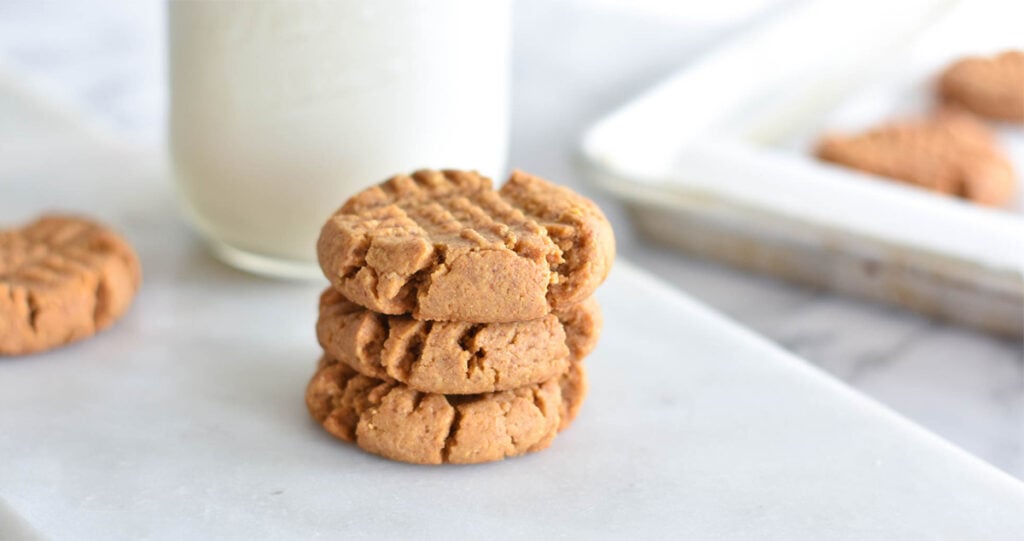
column 186, row 420
column 574, row 62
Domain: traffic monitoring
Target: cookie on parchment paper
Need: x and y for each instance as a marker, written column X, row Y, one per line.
column 443, row 245
column 988, row 86
column 452, row 357
column 396, row 422
column 949, row 152
column 62, row 279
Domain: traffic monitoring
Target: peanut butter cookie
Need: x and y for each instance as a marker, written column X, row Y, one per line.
column 62, row 279
column 396, row 422
column 949, row 152
column 991, row 87
column 574, row 385
column 455, row 357
column 445, row 246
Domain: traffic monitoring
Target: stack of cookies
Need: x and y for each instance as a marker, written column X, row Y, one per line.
column 458, row 316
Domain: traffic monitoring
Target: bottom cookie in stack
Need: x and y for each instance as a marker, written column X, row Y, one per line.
column 394, row 421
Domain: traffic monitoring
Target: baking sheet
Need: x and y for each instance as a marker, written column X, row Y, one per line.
column 722, row 169
column 905, row 85
column 186, row 419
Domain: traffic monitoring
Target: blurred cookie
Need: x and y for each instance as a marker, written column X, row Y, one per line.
column 396, row 422
column 455, row 357
column 62, row 279
column 991, row 87
column 949, row 152
column 443, row 245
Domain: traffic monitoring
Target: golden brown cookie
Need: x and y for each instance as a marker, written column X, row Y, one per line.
column 62, row 279
column 396, row 422
column 443, row 245
column 949, row 152
column 574, row 385
column 453, row 357
column 992, row 87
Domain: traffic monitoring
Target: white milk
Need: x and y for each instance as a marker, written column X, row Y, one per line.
column 280, row 110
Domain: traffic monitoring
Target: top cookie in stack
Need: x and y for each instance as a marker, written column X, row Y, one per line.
column 442, row 245
column 458, row 316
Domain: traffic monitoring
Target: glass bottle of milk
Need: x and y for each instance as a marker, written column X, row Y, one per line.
column 282, row 109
